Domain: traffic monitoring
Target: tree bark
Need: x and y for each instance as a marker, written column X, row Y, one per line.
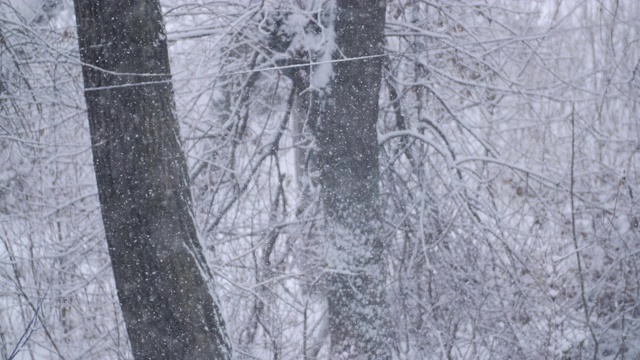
column 163, row 281
column 349, row 174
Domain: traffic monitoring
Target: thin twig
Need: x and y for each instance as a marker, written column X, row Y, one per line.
column 585, row 304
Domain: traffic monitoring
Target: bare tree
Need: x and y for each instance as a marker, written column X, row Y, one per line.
column 163, row 281
column 346, row 134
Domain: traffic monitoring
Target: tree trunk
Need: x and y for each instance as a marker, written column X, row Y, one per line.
column 349, row 174
column 163, row 282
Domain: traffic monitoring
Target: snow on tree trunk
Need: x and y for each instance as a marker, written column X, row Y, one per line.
column 349, row 174
column 163, row 282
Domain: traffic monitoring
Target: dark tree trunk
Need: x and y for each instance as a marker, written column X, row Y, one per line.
column 349, row 174
column 163, row 282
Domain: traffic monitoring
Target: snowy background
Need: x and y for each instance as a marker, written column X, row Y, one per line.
column 509, row 139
